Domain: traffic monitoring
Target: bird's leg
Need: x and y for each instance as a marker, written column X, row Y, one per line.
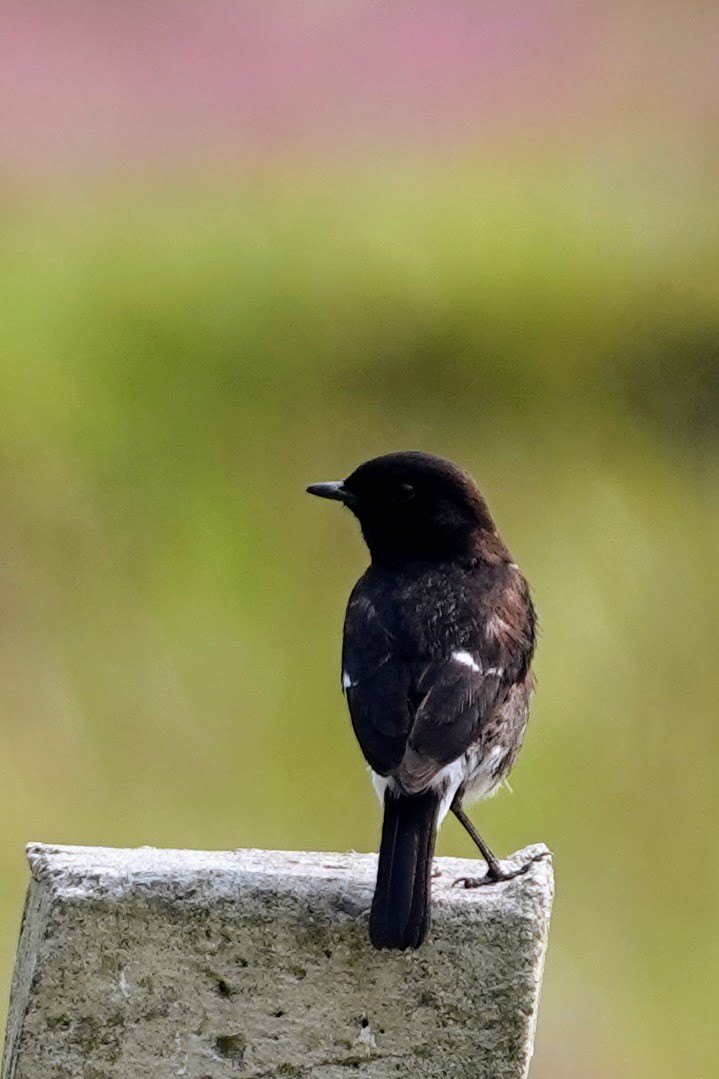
column 494, row 869
column 494, row 873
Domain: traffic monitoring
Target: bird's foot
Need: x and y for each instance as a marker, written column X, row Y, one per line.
column 496, row 875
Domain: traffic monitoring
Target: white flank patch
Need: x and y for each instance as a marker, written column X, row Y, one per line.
column 492, row 757
column 346, row 681
column 381, row 783
column 447, row 782
column 467, row 659
column 481, row 782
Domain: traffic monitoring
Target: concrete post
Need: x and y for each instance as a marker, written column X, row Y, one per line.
column 151, row 964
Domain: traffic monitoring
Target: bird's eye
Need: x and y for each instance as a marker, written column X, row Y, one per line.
column 404, row 492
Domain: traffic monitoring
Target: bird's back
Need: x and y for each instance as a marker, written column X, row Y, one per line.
column 454, row 637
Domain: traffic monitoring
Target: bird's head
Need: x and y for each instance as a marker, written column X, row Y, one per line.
column 414, row 506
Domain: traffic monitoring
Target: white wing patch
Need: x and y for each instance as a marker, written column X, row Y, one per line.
column 467, row 659
column 347, row 682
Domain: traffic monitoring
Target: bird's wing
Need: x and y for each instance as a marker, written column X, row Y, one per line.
column 376, row 681
column 460, row 693
column 456, row 695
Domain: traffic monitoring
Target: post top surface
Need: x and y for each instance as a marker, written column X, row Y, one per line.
column 92, row 870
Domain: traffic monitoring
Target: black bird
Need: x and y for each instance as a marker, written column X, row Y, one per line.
column 438, row 640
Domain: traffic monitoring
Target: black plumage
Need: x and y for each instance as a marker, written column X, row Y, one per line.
column 438, row 642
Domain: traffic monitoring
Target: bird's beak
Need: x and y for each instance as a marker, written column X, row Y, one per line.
column 335, row 490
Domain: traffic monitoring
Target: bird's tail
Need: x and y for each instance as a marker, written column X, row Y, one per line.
column 400, row 909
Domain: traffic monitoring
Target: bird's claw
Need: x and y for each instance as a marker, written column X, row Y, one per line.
column 498, row 876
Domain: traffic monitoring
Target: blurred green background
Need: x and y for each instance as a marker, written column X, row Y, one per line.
column 184, row 349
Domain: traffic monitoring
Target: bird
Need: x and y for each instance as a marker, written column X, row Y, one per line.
column 439, row 637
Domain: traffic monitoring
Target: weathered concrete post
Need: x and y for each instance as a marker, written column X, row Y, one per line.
column 159, row 963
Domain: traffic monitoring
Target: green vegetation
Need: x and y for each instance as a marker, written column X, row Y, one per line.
column 178, row 364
